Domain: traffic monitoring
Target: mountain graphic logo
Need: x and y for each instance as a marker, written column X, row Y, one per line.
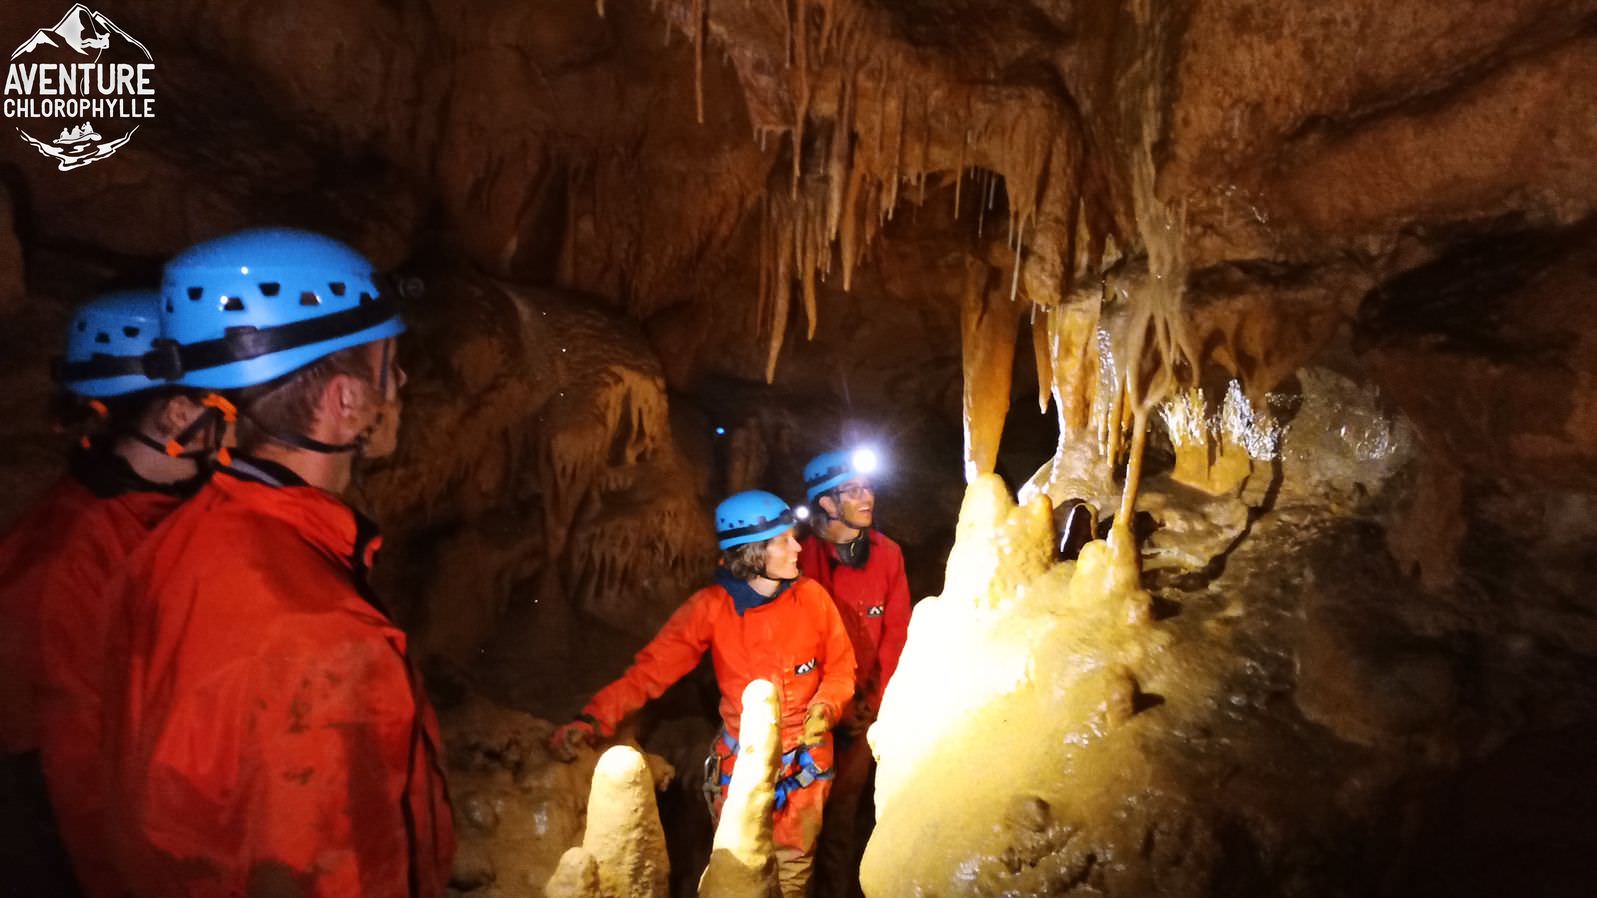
column 78, row 90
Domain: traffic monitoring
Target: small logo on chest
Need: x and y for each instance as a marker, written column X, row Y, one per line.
column 875, row 611
column 805, row 668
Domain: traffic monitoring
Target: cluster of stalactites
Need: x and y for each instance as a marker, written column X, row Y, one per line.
column 868, row 120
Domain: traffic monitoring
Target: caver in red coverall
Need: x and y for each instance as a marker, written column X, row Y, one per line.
column 873, row 600
column 270, row 728
column 796, row 642
column 55, row 562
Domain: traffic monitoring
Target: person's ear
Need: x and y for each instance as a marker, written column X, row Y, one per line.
column 828, row 505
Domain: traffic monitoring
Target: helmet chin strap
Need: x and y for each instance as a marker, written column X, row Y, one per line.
column 212, row 421
column 762, row 573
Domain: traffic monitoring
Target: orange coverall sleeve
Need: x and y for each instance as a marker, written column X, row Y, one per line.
column 327, row 737
column 837, row 670
column 669, row 657
column 895, row 630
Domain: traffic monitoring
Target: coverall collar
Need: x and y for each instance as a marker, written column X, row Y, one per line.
column 855, row 553
column 744, row 596
column 321, row 518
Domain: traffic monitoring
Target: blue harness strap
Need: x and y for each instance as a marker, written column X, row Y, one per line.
column 805, row 770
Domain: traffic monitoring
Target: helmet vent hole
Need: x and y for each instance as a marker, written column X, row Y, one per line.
column 169, row 305
column 102, row 337
column 130, row 331
column 366, row 297
column 337, row 287
column 196, row 292
column 309, row 299
column 232, row 304
column 271, row 288
column 83, row 326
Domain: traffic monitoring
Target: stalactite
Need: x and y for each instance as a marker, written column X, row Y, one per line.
column 987, row 342
column 1042, row 354
column 849, row 243
column 778, row 310
column 837, row 168
column 801, row 88
column 1014, row 281
column 699, row 15
column 812, row 245
column 959, row 172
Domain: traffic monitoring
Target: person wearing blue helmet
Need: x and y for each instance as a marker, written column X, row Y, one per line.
column 273, row 736
column 139, row 455
column 863, row 570
column 760, row 620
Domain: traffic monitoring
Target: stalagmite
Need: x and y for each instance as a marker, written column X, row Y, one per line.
column 577, row 876
column 624, row 834
column 742, row 856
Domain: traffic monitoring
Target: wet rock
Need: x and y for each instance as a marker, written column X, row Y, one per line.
column 1353, row 681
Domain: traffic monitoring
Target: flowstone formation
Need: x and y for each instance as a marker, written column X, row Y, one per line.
column 1083, row 742
column 537, row 455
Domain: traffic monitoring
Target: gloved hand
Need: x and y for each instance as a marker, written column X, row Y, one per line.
column 569, row 736
column 860, row 716
column 816, row 723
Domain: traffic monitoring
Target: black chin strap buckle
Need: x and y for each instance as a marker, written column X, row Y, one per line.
column 164, row 361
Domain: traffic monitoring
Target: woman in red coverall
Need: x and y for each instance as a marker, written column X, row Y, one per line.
column 761, row 621
column 55, row 561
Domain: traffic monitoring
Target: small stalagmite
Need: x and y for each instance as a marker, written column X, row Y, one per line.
column 624, row 834
column 743, row 857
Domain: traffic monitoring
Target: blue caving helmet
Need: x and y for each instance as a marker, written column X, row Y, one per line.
column 830, row 469
column 751, row 516
column 106, row 343
column 250, row 307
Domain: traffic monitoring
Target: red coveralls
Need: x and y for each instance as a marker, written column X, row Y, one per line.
column 270, row 726
column 796, row 642
column 55, row 562
column 874, row 603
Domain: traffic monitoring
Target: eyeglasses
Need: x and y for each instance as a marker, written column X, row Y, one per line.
column 856, row 491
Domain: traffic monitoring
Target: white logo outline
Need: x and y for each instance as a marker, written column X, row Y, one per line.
column 80, row 31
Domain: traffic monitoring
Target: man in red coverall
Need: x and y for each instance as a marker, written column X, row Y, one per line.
column 864, row 572
column 269, row 735
column 55, row 561
column 760, row 621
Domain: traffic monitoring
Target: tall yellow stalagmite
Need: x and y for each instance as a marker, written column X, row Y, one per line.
column 743, row 857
